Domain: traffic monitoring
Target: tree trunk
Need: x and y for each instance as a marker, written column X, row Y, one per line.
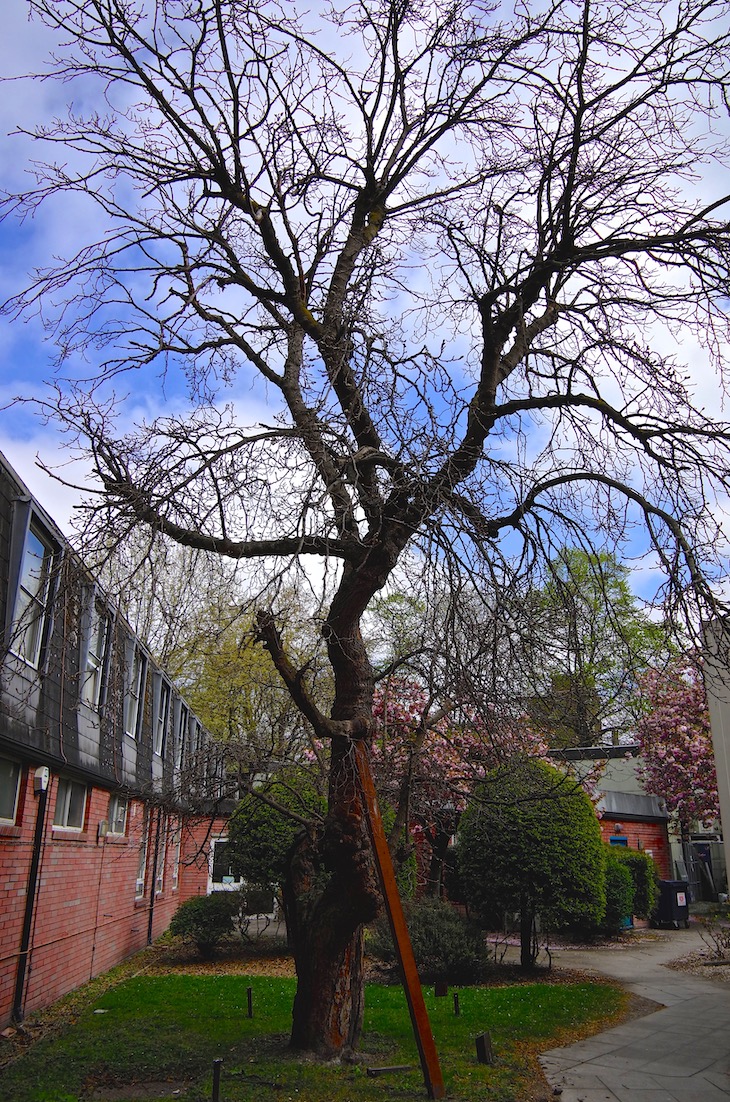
column 527, row 926
column 331, row 891
column 332, row 887
column 439, row 847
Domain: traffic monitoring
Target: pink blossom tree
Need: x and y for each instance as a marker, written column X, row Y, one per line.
column 427, row 758
column 676, row 744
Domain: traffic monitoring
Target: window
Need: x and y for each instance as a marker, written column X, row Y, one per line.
column 117, row 814
column 92, row 686
column 70, row 805
column 142, row 863
column 177, row 847
column 161, row 848
column 31, row 603
column 9, row 789
column 181, row 728
column 222, row 876
column 162, row 719
column 134, row 697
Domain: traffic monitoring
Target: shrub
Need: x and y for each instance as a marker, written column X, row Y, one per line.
column 530, row 841
column 206, row 920
column 619, row 893
column 445, row 944
column 645, row 877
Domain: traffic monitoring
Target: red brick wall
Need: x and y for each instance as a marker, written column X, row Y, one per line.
column 651, row 837
column 87, row 918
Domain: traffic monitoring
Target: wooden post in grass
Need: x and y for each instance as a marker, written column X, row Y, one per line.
column 414, row 995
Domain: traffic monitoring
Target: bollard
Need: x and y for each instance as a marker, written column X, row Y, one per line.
column 249, row 997
column 217, row 1065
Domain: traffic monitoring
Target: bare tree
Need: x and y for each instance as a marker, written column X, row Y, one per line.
column 447, row 243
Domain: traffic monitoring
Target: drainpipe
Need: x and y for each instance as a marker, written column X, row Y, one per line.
column 41, row 784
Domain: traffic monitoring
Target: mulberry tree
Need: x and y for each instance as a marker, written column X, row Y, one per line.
column 448, row 250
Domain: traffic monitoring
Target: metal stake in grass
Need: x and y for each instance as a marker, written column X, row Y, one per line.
column 249, row 997
column 217, row 1065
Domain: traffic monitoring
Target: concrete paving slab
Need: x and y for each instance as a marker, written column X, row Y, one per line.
column 679, row 1053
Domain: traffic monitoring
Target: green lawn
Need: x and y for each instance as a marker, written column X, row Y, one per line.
column 168, row 1029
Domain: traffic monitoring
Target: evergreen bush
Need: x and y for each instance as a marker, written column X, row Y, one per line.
column 445, row 944
column 205, row 920
column 619, row 893
column 645, row 877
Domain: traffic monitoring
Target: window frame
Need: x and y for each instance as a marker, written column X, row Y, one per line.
column 161, row 842
column 163, row 715
column 141, row 879
column 39, row 601
column 97, row 631
column 117, row 802
column 64, row 795
column 135, row 690
column 182, row 727
column 222, row 885
column 4, row 821
column 176, row 839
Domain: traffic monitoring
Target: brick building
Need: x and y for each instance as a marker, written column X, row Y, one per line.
column 628, row 815
column 111, row 792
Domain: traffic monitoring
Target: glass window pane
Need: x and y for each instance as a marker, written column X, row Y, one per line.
column 70, row 804
column 9, row 784
column 33, row 569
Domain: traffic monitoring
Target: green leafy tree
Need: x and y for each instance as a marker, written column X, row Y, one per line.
column 530, row 841
column 591, row 643
column 265, row 826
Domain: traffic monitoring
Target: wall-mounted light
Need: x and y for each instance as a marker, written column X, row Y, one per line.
column 41, row 780
column 618, row 828
column 102, row 830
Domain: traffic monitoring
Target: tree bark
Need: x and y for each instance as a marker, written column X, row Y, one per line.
column 527, row 925
column 330, row 893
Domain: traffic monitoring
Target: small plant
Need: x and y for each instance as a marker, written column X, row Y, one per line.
column 206, row 920
column 447, row 947
column 715, row 932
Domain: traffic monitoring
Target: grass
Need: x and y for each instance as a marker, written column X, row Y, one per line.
column 158, row 1036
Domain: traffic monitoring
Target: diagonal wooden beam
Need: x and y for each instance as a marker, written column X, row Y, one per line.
column 414, row 995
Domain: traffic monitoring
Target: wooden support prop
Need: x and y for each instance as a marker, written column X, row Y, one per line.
column 414, row 995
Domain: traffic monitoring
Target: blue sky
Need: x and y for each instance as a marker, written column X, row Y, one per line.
column 26, row 358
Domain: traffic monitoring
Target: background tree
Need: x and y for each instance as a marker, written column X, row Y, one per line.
column 590, row 642
column 530, row 841
column 677, row 760
column 445, row 245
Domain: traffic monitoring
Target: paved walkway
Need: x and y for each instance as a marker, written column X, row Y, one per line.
column 680, row 1053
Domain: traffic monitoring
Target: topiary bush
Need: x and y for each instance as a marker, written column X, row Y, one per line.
column 619, row 893
column 205, row 920
column 529, row 841
column 645, row 877
column 445, row 944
